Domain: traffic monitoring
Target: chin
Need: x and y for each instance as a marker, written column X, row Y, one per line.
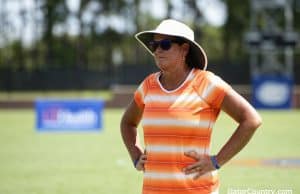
column 162, row 66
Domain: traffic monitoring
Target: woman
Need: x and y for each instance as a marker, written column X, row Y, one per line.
column 178, row 107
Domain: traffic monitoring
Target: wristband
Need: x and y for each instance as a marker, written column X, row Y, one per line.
column 136, row 161
column 215, row 162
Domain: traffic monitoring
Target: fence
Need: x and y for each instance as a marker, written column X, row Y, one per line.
column 122, row 75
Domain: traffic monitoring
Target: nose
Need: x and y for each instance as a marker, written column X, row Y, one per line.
column 158, row 50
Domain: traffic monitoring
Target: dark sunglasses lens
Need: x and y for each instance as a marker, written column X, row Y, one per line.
column 153, row 45
column 165, row 44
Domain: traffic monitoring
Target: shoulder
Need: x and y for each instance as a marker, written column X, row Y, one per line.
column 206, row 76
column 204, row 73
column 150, row 80
column 208, row 81
column 152, row 76
column 211, row 87
column 141, row 92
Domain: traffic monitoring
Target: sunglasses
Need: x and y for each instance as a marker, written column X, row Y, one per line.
column 164, row 44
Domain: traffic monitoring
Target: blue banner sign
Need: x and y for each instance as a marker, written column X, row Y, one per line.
column 272, row 92
column 68, row 115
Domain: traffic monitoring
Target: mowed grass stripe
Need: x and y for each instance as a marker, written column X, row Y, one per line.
column 83, row 163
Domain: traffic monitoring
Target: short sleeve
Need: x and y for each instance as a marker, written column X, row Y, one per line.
column 212, row 89
column 139, row 95
column 141, row 92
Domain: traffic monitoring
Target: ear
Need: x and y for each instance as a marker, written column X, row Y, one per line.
column 185, row 47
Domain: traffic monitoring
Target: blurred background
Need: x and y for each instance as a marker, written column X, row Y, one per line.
column 89, row 44
column 81, row 49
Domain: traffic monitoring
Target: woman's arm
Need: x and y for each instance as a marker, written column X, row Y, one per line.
column 129, row 123
column 249, row 120
column 247, row 117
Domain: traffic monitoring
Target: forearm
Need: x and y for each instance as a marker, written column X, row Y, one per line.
column 237, row 142
column 129, row 123
column 131, row 141
column 247, row 117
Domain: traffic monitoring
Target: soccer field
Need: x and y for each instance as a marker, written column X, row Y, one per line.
column 98, row 163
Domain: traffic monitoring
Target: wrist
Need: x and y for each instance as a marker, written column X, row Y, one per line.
column 136, row 161
column 215, row 162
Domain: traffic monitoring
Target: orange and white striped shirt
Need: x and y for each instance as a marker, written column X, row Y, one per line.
column 175, row 122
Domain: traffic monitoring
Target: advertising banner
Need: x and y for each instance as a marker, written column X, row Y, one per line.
column 68, row 115
column 272, row 92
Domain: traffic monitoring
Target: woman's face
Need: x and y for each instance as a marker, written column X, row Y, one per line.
column 171, row 58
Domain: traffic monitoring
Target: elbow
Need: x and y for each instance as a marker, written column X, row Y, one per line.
column 256, row 122
column 123, row 125
column 251, row 121
column 126, row 124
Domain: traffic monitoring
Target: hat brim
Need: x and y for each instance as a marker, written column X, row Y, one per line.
column 199, row 58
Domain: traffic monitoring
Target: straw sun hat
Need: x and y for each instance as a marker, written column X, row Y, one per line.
column 172, row 27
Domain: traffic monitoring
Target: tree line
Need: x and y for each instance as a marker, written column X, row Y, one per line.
column 99, row 45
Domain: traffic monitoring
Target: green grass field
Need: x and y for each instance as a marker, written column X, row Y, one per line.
column 98, row 163
column 32, row 95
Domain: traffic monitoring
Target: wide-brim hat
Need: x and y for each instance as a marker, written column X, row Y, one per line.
column 172, row 27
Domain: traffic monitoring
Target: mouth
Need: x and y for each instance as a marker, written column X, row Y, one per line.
column 161, row 57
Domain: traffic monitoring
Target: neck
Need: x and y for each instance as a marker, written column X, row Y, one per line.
column 172, row 80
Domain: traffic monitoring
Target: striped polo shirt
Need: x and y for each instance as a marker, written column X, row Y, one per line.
column 175, row 122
